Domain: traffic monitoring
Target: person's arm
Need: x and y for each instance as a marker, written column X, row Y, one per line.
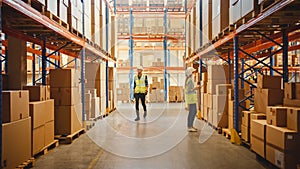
column 134, row 84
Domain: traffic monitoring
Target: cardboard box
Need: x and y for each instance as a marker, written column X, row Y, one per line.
column 290, row 90
column 257, row 116
column 65, row 78
column 222, row 120
column 92, row 71
column 258, row 128
column 282, row 159
column 49, row 109
column 267, row 97
column 95, row 111
column 277, row 116
column 258, row 146
column 220, row 103
column 293, row 119
column 245, row 130
column 282, row 138
column 246, row 116
column 16, row 148
column 36, row 93
column 66, row 96
column 222, row 89
column 15, row 105
column 268, row 82
column 68, row 119
column 37, row 113
column 47, row 92
column 49, row 133
column 291, row 103
column 38, row 139
column 231, row 109
column 154, row 79
column 211, row 85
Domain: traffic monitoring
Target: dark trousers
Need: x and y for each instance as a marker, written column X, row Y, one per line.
column 192, row 114
column 137, row 97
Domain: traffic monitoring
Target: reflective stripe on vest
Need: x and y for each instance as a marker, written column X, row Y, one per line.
column 190, row 96
column 140, row 84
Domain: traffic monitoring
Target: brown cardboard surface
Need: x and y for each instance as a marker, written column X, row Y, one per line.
column 290, row 90
column 37, row 113
column 210, row 101
column 258, row 128
column 49, row 110
column 47, row 92
column 230, row 122
column 245, row 130
column 291, row 103
column 95, row 111
column 211, row 85
column 38, row 139
column 282, row 138
column 257, row 116
column 36, row 93
column 222, row 120
column 16, row 148
column 67, row 119
column 297, row 92
column 269, row 82
column 65, row 78
column 281, row 159
column 93, row 84
column 267, row 97
column 205, row 101
column 66, row 96
column 49, row 132
column 15, row 105
column 293, row 119
column 258, row 146
column 277, row 116
column 220, row 103
column 92, row 71
column 222, row 89
column 246, row 116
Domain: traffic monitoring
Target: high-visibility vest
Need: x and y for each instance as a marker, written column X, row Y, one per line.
column 140, row 84
column 190, row 96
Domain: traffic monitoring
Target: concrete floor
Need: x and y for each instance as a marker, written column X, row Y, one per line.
column 159, row 142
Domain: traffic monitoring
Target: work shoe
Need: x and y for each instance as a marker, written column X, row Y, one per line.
column 137, row 119
column 145, row 114
column 192, row 130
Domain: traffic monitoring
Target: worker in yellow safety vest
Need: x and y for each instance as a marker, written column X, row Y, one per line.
column 191, row 98
column 140, row 91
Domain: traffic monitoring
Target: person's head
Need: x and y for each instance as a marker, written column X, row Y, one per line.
column 140, row 70
column 189, row 71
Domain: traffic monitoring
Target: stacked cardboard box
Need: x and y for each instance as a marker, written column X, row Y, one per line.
column 239, row 9
column 247, row 117
column 16, row 129
column 123, row 92
column 87, row 104
column 220, row 16
column 279, row 144
column 267, row 93
column 207, row 20
column 65, row 90
column 203, row 96
column 291, row 94
column 123, row 63
column 176, row 94
column 92, row 75
column 75, row 15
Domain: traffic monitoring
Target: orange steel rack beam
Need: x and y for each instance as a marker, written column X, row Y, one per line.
column 263, row 22
column 17, row 12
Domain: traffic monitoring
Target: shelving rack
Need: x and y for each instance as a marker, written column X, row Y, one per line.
column 161, row 9
column 20, row 20
column 276, row 26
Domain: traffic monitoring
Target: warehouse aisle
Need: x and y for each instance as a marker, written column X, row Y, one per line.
column 160, row 141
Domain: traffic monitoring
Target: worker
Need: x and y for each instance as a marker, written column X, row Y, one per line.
column 140, row 91
column 191, row 98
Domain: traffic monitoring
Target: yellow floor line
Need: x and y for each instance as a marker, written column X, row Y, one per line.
column 95, row 160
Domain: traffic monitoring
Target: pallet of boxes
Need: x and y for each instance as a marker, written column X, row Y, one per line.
column 214, row 95
column 176, row 94
column 65, row 90
column 123, row 92
column 274, row 128
column 156, row 91
column 92, row 91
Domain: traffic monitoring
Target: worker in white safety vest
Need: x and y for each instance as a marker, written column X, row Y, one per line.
column 140, row 91
column 191, row 98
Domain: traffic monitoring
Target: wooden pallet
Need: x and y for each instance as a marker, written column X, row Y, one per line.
column 36, row 5
column 69, row 139
column 47, row 148
column 89, row 125
column 56, row 19
column 246, row 144
column 245, row 19
column 75, row 32
column 27, row 164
